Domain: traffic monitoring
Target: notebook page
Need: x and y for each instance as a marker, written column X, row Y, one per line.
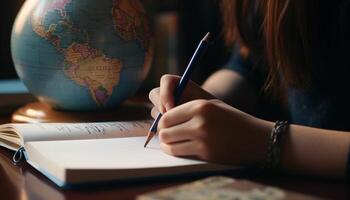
column 74, row 131
column 119, row 153
column 78, row 161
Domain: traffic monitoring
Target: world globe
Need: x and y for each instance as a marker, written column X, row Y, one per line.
column 82, row 54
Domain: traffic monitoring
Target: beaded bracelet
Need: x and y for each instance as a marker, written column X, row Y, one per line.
column 274, row 146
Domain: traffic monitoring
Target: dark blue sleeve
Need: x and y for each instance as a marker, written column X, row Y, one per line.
column 252, row 71
column 267, row 106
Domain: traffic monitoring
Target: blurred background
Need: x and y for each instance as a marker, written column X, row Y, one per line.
column 178, row 27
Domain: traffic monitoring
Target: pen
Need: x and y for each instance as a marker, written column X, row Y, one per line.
column 202, row 46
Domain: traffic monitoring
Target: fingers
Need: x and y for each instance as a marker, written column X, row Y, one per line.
column 154, row 97
column 166, row 93
column 178, row 133
column 188, row 148
column 183, row 113
column 154, row 112
column 163, row 97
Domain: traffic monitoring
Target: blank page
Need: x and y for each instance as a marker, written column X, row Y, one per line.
column 118, row 153
column 78, row 161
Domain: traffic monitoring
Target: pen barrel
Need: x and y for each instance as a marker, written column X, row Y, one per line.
column 202, row 46
column 189, row 69
column 154, row 125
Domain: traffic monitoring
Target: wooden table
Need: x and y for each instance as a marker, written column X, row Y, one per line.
column 23, row 182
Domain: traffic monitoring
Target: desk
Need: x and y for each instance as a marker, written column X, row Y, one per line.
column 22, row 182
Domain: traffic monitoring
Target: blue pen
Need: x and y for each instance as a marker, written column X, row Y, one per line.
column 202, row 46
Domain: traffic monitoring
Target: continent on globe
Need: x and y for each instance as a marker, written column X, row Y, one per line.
column 83, row 64
column 37, row 20
column 130, row 21
column 82, row 54
column 90, row 68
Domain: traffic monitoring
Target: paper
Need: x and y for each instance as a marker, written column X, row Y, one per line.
column 82, row 161
column 120, row 153
column 72, row 131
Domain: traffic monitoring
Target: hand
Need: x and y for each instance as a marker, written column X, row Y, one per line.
column 163, row 96
column 214, row 131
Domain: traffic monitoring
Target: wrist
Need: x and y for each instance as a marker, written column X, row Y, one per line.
column 262, row 129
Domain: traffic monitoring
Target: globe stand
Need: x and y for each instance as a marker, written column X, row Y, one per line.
column 36, row 112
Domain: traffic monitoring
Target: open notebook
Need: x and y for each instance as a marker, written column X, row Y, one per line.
column 78, row 153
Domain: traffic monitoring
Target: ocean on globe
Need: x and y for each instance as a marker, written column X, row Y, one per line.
column 82, row 54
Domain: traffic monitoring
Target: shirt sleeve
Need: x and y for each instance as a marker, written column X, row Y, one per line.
column 252, row 71
column 267, row 107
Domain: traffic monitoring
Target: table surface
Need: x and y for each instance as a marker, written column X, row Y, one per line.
column 21, row 182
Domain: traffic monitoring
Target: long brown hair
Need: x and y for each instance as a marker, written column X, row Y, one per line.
column 287, row 35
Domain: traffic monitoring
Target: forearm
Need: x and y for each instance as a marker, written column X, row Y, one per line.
column 305, row 150
column 232, row 88
column 315, row 151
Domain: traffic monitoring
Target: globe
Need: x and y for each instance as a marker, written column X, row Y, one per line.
column 82, row 54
